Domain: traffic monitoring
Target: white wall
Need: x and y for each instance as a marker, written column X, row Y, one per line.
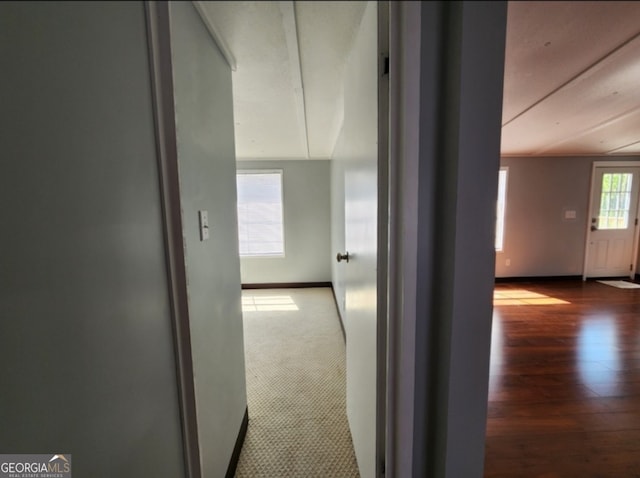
column 85, row 330
column 307, row 226
column 206, row 159
column 538, row 240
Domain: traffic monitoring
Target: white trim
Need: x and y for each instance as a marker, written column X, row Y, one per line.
column 289, row 25
column 591, row 130
column 404, row 135
column 616, row 164
column 609, row 164
column 216, row 35
column 160, row 72
column 633, row 143
column 254, row 170
column 628, row 154
column 382, row 304
column 280, row 158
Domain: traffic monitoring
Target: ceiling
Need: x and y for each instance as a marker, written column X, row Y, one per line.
column 572, row 79
column 572, row 76
column 288, row 81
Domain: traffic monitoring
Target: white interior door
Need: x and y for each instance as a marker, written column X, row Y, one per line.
column 359, row 151
column 613, row 222
column 361, row 314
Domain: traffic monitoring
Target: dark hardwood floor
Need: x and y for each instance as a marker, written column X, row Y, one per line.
column 564, row 392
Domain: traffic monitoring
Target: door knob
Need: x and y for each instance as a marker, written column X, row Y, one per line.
column 594, row 228
column 342, row 257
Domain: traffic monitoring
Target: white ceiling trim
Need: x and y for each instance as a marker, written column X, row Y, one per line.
column 604, row 124
column 277, row 159
column 218, row 38
column 291, row 35
column 627, row 147
column 573, row 79
column 563, row 155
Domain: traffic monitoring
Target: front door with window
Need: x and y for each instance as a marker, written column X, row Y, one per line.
column 612, row 231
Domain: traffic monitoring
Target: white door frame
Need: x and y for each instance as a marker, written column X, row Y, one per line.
column 609, row 164
column 383, row 238
column 159, row 47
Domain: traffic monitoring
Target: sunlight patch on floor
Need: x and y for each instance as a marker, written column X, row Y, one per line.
column 524, row 297
column 268, row 303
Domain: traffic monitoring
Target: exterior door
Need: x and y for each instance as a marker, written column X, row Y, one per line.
column 613, row 222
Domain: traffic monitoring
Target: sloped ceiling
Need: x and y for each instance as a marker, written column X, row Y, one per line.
column 572, row 76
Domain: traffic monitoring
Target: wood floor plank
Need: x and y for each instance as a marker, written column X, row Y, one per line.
column 564, row 390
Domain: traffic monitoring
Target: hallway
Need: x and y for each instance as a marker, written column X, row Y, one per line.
column 295, row 361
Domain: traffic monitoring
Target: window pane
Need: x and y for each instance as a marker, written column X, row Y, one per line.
column 625, row 182
column 623, row 219
column 501, row 205
column 615, row 182
column 615, row 201
column 604, row 201
column 615, row 197
column 260, row 223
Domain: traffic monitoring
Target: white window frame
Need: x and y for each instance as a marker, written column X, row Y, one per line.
column 280, row 173
column 501, row 212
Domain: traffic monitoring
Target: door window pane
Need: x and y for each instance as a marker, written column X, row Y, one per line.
column 615, row 201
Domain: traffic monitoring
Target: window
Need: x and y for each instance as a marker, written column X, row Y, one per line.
column 615, row 201
column 501, row 206
column 260, row 226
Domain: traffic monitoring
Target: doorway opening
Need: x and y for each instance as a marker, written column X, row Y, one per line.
column 295, row 147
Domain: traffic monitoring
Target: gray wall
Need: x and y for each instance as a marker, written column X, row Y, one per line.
column 306, row 208
column 86, row 349
column 442, row 243
column 206, row 159
column 538, row 240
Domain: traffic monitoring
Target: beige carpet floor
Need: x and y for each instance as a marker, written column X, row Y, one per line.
column 295, row 360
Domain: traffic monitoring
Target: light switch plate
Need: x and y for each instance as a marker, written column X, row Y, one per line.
column 203, row 220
